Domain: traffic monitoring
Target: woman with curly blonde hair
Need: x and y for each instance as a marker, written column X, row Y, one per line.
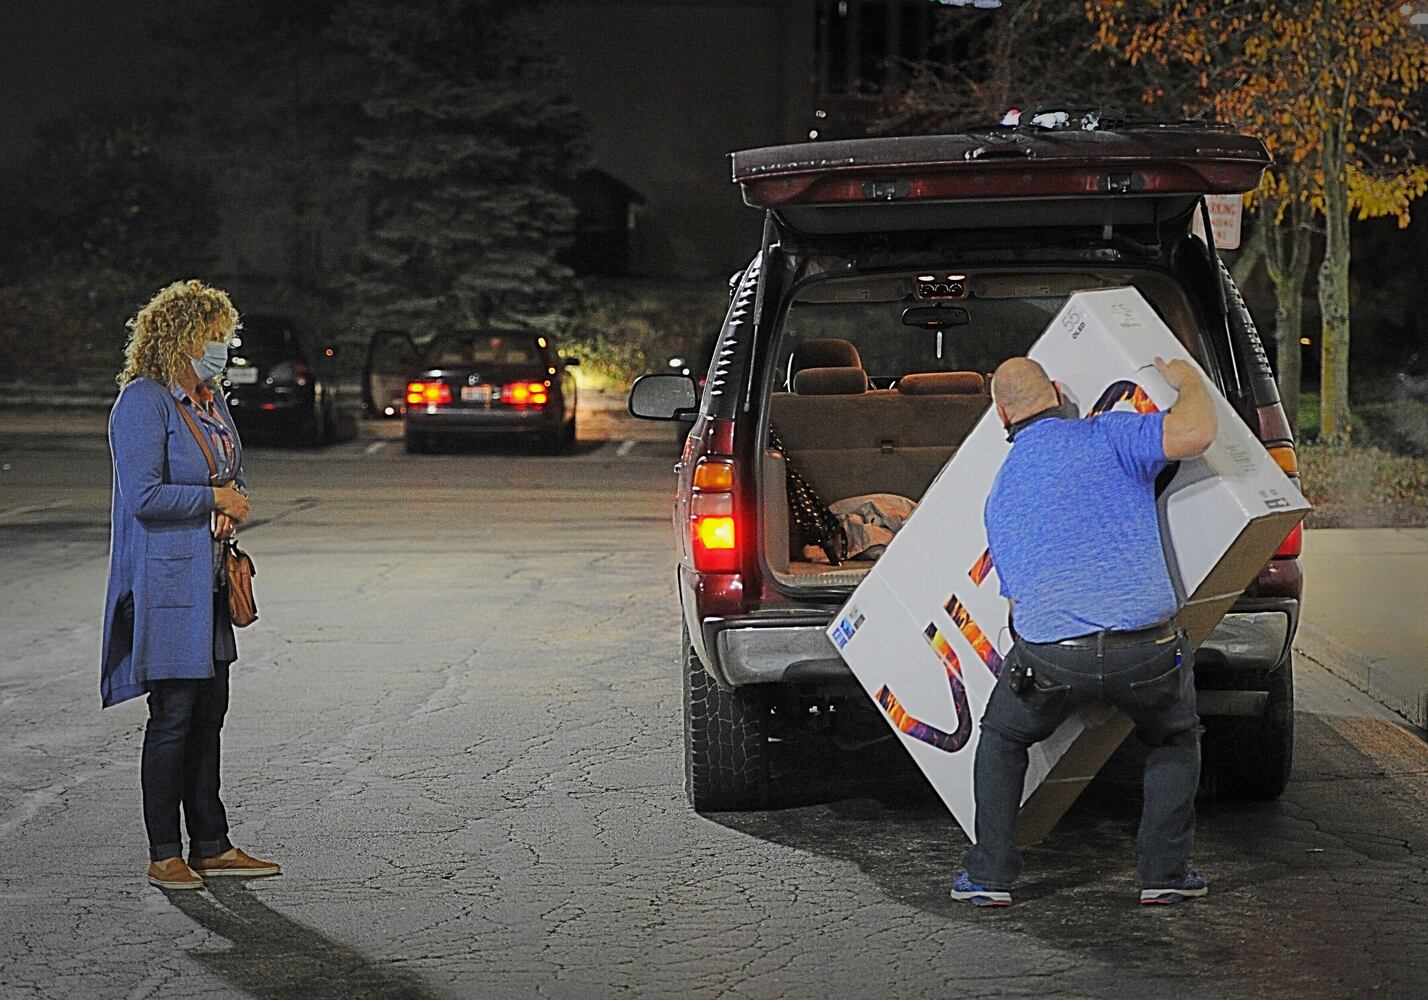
column 178, row 493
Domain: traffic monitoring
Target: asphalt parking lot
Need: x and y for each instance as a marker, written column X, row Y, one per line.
column 457, row 724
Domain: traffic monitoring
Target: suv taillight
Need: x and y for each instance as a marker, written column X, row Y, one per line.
column 1293, row 544
column 428, row 394
column 714, row 534
column 1287, row 459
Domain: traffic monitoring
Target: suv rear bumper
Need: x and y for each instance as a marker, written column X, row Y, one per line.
column 1252, row 640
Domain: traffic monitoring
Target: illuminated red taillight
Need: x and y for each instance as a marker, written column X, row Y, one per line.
column 428, row 393
column 1287, row 459
column 715, row 532
column 714, row 535
column 526, row 394
column 1293, row 544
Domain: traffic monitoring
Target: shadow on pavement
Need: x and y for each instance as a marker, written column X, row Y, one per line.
column 274, row 958
column 1277, row 923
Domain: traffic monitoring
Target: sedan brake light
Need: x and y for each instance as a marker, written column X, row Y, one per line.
column 428, row 394
column 525, row 395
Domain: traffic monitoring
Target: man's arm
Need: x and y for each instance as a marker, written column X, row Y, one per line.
column 1191, row 424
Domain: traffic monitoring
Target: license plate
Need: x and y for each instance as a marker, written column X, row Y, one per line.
column 242, row 376
column 475, row 393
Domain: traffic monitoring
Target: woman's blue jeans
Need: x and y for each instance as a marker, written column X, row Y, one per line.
column 1151, row 682
column 180, row 766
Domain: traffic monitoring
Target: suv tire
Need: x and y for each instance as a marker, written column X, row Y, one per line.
column 415, row 442
column 1248, row 759
column 726, row 765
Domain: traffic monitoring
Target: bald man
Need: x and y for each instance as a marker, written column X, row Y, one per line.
column 1075, row 538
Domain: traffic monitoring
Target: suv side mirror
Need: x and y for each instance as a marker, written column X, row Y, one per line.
column 663, row 397
column 570, row 362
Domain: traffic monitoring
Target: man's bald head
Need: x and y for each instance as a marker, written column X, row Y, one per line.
column 1021, row 388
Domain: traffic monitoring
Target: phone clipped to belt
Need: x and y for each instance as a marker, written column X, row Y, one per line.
column 1019, row 675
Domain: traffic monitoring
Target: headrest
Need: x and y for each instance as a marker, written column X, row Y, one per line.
column 841, row 381
column 942, row 384
column 825, row 353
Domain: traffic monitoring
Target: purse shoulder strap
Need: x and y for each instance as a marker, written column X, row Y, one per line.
column 202, row 440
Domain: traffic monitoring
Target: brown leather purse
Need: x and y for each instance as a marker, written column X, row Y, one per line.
column 238, row 571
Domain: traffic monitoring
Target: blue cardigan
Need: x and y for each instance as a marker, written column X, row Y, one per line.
column 158, row 609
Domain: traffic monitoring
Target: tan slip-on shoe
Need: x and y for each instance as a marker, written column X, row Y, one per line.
column 172, row 873
column 234, row 862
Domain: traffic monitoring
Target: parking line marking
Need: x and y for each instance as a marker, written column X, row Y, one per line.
column 37, row 508
column 625, row 448
column 375, row 447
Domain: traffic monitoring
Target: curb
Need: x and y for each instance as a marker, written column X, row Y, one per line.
column 1374, row 678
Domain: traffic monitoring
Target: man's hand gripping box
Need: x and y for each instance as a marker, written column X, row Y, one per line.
column 925, row 630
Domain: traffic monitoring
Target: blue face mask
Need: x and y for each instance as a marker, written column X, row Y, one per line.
column 214, row 360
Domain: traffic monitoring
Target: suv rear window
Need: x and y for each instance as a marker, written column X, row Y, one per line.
column 997, row 316
column 458, row 350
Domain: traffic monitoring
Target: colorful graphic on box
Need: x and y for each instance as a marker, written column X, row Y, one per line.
column 922, row 731
column 847, row 627
column 981, row 567
column 983, row 647
column 1123, row 391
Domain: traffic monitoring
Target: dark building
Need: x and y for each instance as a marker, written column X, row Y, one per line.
column 670, row 87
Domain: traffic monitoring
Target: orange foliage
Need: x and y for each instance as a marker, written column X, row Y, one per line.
column 1326, row 83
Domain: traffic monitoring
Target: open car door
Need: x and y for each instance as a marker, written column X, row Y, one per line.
column 392, row 356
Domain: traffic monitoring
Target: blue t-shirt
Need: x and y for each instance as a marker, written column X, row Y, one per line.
column 1073, row 530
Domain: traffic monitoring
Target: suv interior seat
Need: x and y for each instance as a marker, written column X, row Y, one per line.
column 821, row 352
column 840, row 381
column 942, row 384
column 847, row 442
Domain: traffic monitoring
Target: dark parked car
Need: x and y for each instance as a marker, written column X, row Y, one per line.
column 936, row 257
column 280, row 383
column 491, row 382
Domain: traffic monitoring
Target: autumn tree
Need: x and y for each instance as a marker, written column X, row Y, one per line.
column 1329, row 85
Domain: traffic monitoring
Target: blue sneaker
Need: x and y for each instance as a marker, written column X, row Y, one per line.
column 965, row 889
column 1191, row 885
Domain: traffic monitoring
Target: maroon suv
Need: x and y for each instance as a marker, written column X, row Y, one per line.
column 894, row 275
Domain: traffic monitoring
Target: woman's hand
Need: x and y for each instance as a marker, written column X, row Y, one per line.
column 227, row 500
column 223, row 527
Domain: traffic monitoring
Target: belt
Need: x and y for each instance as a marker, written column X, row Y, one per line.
column 1109, row 639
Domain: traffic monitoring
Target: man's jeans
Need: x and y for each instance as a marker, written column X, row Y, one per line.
column 180, row 765
column 1143, row 680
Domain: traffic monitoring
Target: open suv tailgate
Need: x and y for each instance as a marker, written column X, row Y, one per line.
column 1126, row 177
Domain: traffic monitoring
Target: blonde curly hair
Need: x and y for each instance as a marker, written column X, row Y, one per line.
column 181, row 317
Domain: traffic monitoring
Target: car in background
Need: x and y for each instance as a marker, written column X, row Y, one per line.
column 895, row 274
column 280, row 384
column 491, row 382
